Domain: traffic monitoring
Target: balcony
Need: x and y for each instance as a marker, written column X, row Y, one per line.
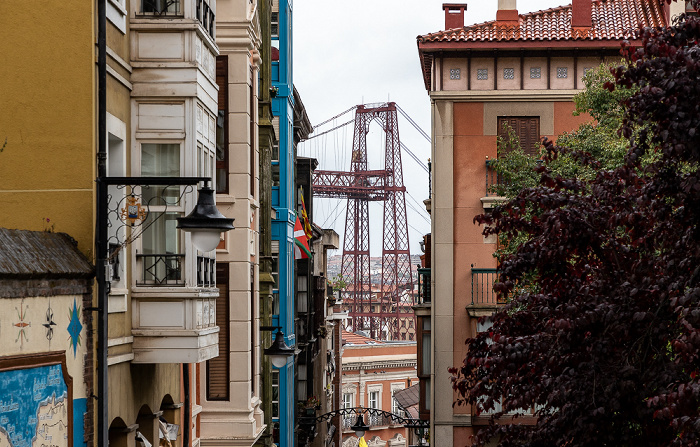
column 174, row 309
column 493, row 179
column 160, row 269
column 174, row 328
column 484, row 299
column 424, row 286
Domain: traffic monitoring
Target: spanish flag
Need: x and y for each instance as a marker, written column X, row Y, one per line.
column 301, row 244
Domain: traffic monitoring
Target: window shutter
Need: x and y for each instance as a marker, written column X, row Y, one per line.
column 218, row 367
column 526, row 128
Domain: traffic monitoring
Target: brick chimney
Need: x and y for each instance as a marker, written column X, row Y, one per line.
column 454, row 15
column 581, row 14
column 507, row 13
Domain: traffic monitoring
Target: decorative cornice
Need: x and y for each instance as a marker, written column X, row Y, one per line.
column 504, row 95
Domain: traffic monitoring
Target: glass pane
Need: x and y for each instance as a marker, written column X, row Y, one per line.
column 427, row 394
column 160, row 160
column 426, row 354
column 275, row 175
column 426, row 323
column 160, row 235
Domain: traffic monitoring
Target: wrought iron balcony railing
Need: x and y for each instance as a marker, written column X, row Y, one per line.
column 482, row 286
column 161, row 8
column 493, row 179
column 161, row 269
column 424, row 285
column 206, row 272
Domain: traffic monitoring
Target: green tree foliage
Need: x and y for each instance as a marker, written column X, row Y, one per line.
column 599, row 140
column 606, row 346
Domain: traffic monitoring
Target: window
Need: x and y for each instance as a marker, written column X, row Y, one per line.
column 253, row 130
column 508, row 73
column 276, row 276
column 161, row 7
column 526, row 128
column 205, row 16
column 160, row 160
column 562, row 72
column 275, row 380
column 482, row 74
column 423, row 365
column 218, row 367
column 347, row 418
column 374, row 403
column 455, row 73
column 395, row 408
column 275, row 174
column 160, row 257
column 222, row 126
column 535, row 72
column 275, row 25
column 374, row 400
column 115, row 261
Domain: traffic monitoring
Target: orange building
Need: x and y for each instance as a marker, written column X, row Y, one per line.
column 373, row 371
column 523, row 70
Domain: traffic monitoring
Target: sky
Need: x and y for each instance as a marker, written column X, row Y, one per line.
column 364, row 51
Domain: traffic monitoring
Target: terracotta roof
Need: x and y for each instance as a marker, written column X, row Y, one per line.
column 38, row 254
column 356, row 339
column 612, row 20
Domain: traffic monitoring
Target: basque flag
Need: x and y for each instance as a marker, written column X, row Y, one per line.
column 301, row 244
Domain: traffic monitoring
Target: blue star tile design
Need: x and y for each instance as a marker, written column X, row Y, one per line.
column 75, row 327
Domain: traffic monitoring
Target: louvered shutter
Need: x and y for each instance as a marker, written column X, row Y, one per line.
column 218, row 367
column 526, row 128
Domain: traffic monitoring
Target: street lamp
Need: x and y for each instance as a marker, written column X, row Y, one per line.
column 359, row 428
column 279, row 351
column 205, row 223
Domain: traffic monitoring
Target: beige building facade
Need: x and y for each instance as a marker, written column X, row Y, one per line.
column 232, row 413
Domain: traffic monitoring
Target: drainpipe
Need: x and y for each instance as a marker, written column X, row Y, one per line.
column 101, row 230
column 187, row 429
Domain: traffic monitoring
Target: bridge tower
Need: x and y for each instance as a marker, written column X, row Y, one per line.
column 387, row 313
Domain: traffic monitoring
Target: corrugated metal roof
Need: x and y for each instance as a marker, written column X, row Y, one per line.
column 38, row 254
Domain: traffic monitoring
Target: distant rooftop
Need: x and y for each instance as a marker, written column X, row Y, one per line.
column 350, row 338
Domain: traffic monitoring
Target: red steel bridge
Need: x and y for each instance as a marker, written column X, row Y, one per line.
column 382, row 313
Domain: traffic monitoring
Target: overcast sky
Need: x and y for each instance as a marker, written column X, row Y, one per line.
column 364, row 51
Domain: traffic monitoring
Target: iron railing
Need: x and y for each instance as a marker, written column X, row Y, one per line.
column 161, row 8
column 482, row 286
column 423, row 285
column 493, row 178
column 161, row 269
column 206, row 272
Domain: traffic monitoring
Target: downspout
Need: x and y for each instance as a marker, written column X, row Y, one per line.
column 101, row 230
column 187, row 422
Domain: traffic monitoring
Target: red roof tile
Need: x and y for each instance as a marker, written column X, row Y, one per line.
column 612, row 20
column 357, row 339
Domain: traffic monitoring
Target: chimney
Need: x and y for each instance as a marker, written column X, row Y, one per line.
column 454, row 15
column 581, row 14
column 507, row 13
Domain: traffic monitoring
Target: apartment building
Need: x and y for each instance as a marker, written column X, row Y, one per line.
column 522, row 70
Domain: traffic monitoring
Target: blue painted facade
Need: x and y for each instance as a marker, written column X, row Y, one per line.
column 283, row 222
